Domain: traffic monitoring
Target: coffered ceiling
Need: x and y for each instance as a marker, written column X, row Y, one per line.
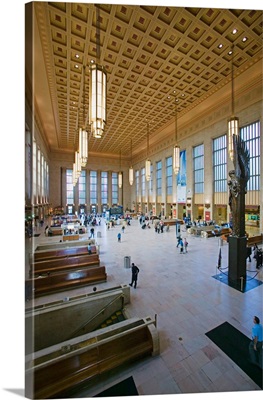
column 152, row 55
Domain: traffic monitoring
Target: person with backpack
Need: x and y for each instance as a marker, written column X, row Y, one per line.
column 179, row 238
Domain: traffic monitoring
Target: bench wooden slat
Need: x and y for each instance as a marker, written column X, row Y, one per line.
column 63, row 264
column 65, row 280
column 61, row 253
column 74, row 236
column 46, row 246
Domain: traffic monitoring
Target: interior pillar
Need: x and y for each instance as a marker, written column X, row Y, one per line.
column 237, row 258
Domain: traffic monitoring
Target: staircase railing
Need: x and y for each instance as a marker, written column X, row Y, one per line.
column 121, row 296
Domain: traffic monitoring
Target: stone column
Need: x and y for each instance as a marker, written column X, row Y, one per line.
column 237, row 259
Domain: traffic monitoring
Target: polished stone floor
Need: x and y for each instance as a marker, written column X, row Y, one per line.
column 188, row 301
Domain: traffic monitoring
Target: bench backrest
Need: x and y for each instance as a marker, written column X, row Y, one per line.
column 61, row 253
column 59, row 264
column 63, row 280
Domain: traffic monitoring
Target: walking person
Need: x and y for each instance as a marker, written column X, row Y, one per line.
column 255, row 346
column 135, row 271
column 249, row 252
column 178, row 240
column 185, row 245
column 181, row 244
column 119, row 237
column 259, row 258
column 89, row 248
column 91, row 233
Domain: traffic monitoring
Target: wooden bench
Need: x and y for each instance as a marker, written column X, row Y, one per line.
column 65, row 280
column 210, row 233
column 251, row 241
column 73, row 236
column 92, row 355
column 224, row 233
column 170, row 222
column 62, row 253
column 63, row 264
column 56, row 231
column 64, row 245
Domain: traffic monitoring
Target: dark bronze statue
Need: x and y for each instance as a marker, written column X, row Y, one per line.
column 238, row 186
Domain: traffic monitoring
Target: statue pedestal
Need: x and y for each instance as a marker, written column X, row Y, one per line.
column 237, row 258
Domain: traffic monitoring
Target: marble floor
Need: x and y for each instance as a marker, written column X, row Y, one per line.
column 188, row 301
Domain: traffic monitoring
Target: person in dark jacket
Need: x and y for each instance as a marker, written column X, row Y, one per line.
column 249, row 253
column 135, row 271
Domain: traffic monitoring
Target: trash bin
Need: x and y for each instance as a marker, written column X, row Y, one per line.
column 127, row 261
column 99, row 234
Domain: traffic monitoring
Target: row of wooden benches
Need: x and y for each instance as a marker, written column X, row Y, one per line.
column 62, row 259
column 63, row 264
column 64, row 268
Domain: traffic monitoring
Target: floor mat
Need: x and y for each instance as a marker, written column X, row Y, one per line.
column 247, row 285
column 124, row 388
column 235, row 345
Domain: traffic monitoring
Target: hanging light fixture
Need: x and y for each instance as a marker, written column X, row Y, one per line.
column 74, row 176
column 77, row 164
column 233, row 122
column 147, row 162
column 176, row 152
column 83, row 134
column 97, row 97
column 131, row 169
column 76, row 169
column 120, row 174
column 97, row 90
column 83, row 146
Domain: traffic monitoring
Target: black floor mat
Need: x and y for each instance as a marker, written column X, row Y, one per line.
column 124, row 388
column 235, row 345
